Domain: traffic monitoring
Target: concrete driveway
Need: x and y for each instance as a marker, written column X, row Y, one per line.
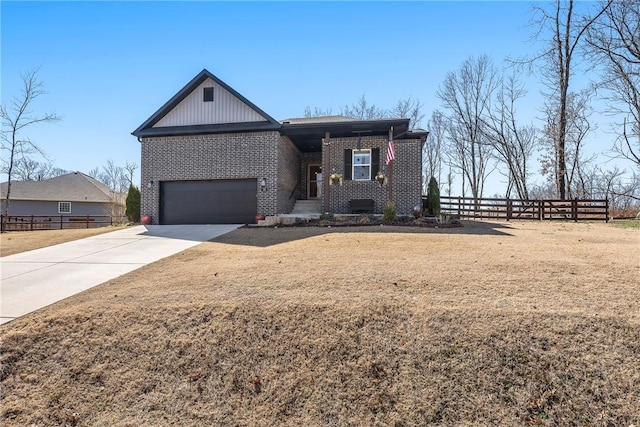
column 35, row 279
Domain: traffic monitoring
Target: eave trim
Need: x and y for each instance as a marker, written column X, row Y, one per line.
column 209, row 129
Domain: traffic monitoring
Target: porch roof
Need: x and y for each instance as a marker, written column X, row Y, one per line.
column 307, row 133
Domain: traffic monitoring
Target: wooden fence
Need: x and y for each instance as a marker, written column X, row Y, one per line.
column 56, row 222
column 508, row 209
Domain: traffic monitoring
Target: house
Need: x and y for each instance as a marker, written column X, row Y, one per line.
column 72, row 194
column 209, row 155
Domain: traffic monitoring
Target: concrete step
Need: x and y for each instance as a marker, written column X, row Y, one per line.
column 307, row 207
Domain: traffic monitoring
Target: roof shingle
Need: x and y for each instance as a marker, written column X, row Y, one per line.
column 72, row 187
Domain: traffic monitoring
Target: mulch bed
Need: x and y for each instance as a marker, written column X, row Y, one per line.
column 365, row 220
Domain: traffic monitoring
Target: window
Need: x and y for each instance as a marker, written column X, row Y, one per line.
column 361, row 165
column 64, row 207
column 208, row 94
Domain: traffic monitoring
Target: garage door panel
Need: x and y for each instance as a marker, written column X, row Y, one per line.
column 208, row 202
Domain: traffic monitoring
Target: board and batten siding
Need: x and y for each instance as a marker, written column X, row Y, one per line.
column 225, row 108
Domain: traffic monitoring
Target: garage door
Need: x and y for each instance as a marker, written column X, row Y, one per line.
column 208, row 202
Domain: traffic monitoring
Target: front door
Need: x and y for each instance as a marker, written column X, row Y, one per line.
column 314, row 181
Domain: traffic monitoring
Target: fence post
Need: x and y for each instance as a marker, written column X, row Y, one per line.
column 87, row 221
column 459, row 216
column 540, row 210
column 60, row 222
column 509, row 208
column 606, row 210
column 2, row 218
column 574, row 209
column 31, row 224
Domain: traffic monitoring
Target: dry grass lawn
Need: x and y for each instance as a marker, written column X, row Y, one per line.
column 500, row 324
column 15, row 242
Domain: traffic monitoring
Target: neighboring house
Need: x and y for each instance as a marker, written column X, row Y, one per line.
column 72, row 194
column 209, row 155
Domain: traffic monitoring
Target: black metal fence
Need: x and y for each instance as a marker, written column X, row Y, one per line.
column 57, row 222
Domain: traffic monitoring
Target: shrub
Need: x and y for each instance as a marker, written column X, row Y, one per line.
column 133, row 204
column 433, row 198
column 389, row 213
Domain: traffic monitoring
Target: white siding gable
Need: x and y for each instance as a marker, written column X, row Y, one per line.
column 225, row 108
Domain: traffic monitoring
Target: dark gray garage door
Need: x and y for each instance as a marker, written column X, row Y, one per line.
column 208, row 202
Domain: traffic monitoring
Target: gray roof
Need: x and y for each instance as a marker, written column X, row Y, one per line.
column 319, row 119
column 72, row 187
column 305, row 132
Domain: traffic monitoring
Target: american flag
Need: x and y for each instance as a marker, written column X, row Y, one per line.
column 390, row 152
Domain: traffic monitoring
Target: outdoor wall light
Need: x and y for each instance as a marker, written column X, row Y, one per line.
column 263, row 184
column 150, row 184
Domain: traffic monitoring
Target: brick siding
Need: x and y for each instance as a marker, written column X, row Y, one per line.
column 407, row 175
column 288, row 175
column 258, row 155
column 307, row 159
column 216, row 156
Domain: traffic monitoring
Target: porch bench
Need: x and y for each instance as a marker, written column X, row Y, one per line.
column 358, row 206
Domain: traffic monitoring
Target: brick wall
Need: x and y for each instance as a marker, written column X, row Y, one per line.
column 267, row 155
column 307, row 159
column 220, row 156
column 407, row 175
column 288, row 175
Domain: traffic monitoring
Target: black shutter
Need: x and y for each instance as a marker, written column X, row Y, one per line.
column 375, row 162
column 348, row 159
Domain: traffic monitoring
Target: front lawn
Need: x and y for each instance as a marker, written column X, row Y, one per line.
column 520, row 323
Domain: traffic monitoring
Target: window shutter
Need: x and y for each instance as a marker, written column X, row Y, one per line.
column 375, row 162
column 348, row 159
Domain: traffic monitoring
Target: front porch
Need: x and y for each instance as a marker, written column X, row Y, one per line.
column 354, row 150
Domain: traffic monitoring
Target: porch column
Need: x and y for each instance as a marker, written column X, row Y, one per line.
column 326, row 154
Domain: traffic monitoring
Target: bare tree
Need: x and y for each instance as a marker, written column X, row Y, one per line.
column 94, row 173
column 432, row 149
column 316, row 112
column 27, row 169
column 449, row 181
column 15, row 118
column 620, row 188
column 614, row 41
column 408, row 108
column 361, row 109
column 117, row 178
column 513, row 143
column 576, row 129
column 542, row 190
column 128, row 170
column 466, row 94
column 565, row 31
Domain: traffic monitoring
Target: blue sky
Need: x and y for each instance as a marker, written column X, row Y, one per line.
column 107, row 66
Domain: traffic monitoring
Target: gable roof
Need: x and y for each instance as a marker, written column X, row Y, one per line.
column 72, row 187
column 147, row 128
